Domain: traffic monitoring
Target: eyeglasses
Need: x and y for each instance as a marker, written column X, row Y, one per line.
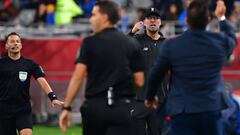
column 153, row 17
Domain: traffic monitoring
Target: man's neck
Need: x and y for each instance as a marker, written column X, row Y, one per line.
column 192, row 28
column 105, row 26
column 153, row 35
column 14, row 56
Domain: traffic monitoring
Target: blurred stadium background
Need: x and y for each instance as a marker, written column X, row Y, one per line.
column 52, row 39
column 45, row 130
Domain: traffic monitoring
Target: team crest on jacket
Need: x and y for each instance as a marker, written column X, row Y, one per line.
column 22, row 76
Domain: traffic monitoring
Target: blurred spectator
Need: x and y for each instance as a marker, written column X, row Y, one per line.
column 4, row 3
column 171, row 28
column 8, row 10
column 237, row 6
column 142, row 4
column 124, row 3
column 27, row 10
column 172, row 12
column 29, row 4
column 42, row 10
column 183, row 15
column 140, row 14
column 123, row 23
column 162, row 5
column 50, row 14
column 87, row 6
column 235, row 16
column 65, row 11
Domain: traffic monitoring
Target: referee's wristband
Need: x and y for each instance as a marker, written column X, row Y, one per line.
column 68, row 108
column 52, row 96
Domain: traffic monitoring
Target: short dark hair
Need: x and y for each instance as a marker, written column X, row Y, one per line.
column 10, row 34
column 198, row 14
column 111, row 9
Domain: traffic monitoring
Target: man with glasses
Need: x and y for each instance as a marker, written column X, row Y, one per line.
column 151, row 40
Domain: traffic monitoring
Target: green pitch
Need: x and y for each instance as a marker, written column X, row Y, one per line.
column 45, row 130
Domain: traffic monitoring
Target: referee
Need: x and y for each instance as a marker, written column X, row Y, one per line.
column 114, row 66
column 15, row 76
column 147, row 120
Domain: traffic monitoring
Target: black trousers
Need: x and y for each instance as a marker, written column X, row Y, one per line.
column 204, row 123
column 100, row 119
column 147, row 121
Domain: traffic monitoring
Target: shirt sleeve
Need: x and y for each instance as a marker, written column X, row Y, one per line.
column 231, row 39
column 82, row 56
column 37, row 71
column 130, row 33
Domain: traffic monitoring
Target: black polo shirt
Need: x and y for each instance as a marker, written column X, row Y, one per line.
column 111, row 58
column 15, row 76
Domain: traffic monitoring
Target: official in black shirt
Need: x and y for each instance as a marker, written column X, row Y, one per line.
column 151, row 41
column 15, row 76
column 114, row 66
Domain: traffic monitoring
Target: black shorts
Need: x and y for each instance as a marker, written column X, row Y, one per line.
column 15, row 118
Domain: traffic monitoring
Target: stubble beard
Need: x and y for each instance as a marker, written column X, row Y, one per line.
column 153, row 29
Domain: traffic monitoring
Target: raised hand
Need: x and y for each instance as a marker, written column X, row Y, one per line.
column 220, row 9
column 137, row 26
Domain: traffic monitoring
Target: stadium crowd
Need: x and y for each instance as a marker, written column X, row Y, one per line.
column 28, row 13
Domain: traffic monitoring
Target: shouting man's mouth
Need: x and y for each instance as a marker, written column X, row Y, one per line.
column 14, row 48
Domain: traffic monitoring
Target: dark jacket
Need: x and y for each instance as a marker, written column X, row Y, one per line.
column 195, row 60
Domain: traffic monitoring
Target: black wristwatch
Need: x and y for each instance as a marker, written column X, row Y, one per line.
column 68, row 108
column 52, row 96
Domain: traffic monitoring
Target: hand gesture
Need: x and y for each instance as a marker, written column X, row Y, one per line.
column 151, row 103
column 57, row 102
column 220, row 9
column 65, row 120
column 137, row 26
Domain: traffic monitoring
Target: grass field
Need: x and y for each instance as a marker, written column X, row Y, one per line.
column 45, row 130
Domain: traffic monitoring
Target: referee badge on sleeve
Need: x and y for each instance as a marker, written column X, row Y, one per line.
column 22, row 76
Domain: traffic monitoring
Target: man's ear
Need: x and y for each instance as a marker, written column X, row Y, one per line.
column 6, row 46
column 209, row 19
column 105, row 18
